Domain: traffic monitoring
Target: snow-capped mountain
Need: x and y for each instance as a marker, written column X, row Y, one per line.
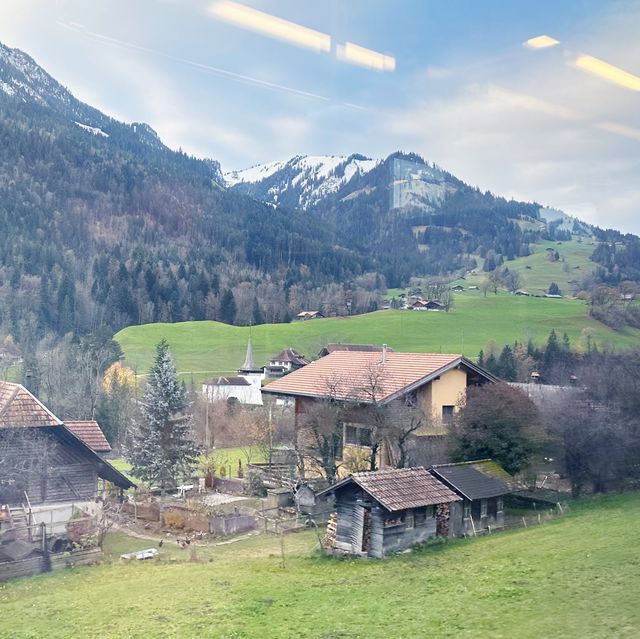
column 303, row 181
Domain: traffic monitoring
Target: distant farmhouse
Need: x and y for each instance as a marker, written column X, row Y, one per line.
column 381, row 512
column 48, row 473
column 309, row 315
column 432, row 383
column 284, row 362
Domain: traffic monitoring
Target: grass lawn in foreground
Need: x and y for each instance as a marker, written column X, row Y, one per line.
column 578, row 576
column 204, row 349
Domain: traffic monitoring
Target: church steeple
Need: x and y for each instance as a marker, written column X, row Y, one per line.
column 248, row 360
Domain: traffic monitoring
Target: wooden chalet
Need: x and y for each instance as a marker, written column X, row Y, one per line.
column 309, row 315
column 482, row 486
column 284, row 362
column 46, row 470
column 384, row 511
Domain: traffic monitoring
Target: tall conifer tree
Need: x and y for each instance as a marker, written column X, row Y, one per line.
column 163, row 451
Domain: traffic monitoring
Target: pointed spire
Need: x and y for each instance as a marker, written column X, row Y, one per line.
column 248, row 360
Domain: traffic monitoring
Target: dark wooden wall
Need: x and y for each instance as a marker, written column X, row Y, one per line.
column 36, row 461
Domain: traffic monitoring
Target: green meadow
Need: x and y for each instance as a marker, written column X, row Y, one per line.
column 537, row 271
column 204, row 349
column 574, row 577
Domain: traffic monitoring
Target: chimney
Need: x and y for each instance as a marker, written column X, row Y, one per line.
column 28, row 380
column 384, row 353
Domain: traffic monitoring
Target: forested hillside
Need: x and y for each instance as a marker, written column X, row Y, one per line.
column 102, row 224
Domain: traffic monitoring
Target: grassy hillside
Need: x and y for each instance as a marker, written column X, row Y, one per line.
column 537, row 272
column 574, row 577
column 208, row 348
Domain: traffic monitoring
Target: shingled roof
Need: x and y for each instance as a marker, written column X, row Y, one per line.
column 480, row 479
column 400, row 488
column 91, row 434
column 368, row 377
column 18, row 407
column 290, row 355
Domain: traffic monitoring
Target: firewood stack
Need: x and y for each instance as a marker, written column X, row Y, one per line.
column 330, row 536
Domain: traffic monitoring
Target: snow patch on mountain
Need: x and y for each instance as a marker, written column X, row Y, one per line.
column 92, row 129
column 305, row 179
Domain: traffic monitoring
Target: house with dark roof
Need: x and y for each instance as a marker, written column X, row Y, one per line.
column 309, row 315
column 381, row 512
column 284, row 362
column 482, row 485
column 47, row 472
column 361, row 383
column 91, row 434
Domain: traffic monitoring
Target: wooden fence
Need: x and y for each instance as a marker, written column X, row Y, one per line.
column 37, row 565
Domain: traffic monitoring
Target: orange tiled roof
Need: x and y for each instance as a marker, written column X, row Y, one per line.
column 91, row 434
column 18, row 407
column 362, row 376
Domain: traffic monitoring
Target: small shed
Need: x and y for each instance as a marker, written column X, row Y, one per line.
column 383, row 511
column 482, row 485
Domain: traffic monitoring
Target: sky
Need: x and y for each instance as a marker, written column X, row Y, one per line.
column 450, row 80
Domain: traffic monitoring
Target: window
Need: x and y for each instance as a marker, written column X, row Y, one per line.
column 447, row 414
column 420, row 516
column 483, row 508
column 357, row 436
column 408, row 519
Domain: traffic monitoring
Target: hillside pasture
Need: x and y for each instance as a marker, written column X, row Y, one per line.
column 576, row 576
column 204, row 349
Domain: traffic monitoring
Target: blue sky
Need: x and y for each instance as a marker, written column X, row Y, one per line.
column 464, row 93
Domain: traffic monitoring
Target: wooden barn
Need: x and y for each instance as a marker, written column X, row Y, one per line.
column 46, row 471
column 482, row 486
column 383, row 511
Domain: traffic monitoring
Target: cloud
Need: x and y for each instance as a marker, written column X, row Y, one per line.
column 536, row 128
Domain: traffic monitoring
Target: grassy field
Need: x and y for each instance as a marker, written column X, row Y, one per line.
column 537, row 272
column 204, row 349
column 223, row 457
column 578, row 576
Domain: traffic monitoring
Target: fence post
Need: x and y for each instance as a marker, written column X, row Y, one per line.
column 539, row 519
column 524, row 522
column 559, row 505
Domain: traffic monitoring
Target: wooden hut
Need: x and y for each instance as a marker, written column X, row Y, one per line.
column 384, row 511
column 482, row 485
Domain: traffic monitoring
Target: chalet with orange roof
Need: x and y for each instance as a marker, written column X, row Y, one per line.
column 362, row 382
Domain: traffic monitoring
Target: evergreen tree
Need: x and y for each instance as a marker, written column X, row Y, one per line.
column 163, row 451
column 552, row 353
column 507, row 368
column 554, row 289
column 258, row 317
column 227, row 307
column 481, row 358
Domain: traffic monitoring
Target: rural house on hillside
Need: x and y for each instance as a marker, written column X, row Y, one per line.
column 363, row 383
column 284, row 362
column 380, row 512
column 482, row 485
column 309, row 315
column 46, row 471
